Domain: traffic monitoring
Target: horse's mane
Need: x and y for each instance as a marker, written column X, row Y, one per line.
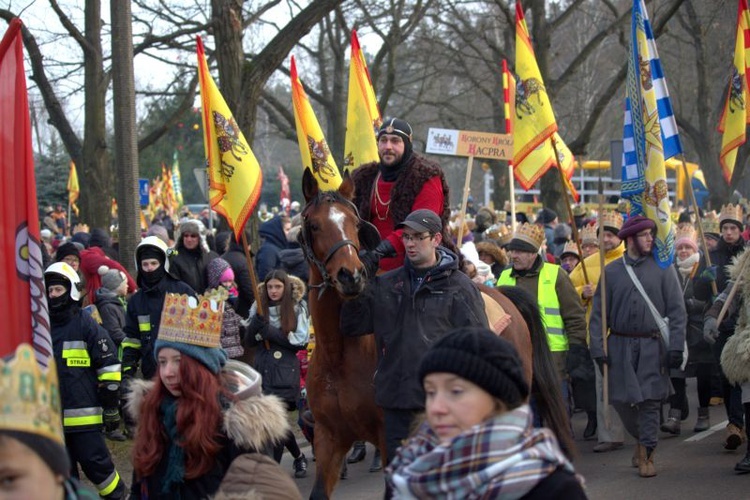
column 328, row 197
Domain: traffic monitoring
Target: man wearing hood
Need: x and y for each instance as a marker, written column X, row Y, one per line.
column 273, row 235
column 144, row 310
column 191, row 255
column 408, row 309
column 389, row 190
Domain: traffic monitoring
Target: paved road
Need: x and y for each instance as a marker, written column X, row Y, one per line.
column 689, row 466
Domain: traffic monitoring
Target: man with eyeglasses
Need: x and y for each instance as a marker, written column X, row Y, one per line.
column 408, row 309
column 390, row 189
column 639, row 354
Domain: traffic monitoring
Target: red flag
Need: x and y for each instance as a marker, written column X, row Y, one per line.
column 23, row 301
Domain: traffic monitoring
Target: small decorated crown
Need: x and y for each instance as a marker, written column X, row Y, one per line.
column 611, row 219
column 623, row 206
column 190, row 321
column 30, row 396
column 588, row 234
column 710, row 223
column 532, row 234
column 685, row 230
column 570, row 247
column 579, row 211
column 731, row 213
column 499, row 232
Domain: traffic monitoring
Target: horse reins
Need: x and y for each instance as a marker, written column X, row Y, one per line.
column 310, row 255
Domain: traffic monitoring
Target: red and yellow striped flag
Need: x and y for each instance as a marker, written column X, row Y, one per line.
column 736, row 114
column 234, row 174
column 362, row 115
column 313, row 148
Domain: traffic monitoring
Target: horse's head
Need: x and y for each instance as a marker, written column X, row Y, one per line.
column 332, row 236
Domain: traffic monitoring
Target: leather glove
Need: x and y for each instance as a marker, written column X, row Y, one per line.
column 371, row 258
column 675, row 359
column 601, row 361
column 710, row 329
column 111, row 418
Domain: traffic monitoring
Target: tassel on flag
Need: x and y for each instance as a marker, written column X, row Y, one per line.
column 313, row 148
column 234, row 174
column 23, row 301
column 646, row 148
column 736, row 114
column 362, row 115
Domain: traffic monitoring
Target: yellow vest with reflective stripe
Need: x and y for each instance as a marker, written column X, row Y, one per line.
column 549, row 304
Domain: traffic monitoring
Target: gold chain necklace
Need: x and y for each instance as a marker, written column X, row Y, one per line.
column 379, row 200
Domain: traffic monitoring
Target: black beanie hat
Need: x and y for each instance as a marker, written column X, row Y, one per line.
column 66, row 249
column 481, row 357
column 151, row 252
column 53, row 454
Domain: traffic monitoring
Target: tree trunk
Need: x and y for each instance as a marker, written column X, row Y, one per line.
column 94, row 175
column 126, row 140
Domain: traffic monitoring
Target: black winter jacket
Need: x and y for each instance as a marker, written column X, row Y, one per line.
column 407, row 318
column 721, row 257
column 85, row 357
column 112, row 311
column 274, row 241
column 142, row 324
column 190, row 266
column 235, row 256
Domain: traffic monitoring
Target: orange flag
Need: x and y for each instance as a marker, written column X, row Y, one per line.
column 362, row 114
column 23, row 301
column 313, row 148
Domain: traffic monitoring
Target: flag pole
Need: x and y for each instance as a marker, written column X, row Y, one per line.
column 464, row 202
column 602, row 287
column 570, row 210
column 253, row 277
column 509, row 130
column 702, row 236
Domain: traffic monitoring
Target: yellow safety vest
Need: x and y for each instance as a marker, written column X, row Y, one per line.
column 549, row 304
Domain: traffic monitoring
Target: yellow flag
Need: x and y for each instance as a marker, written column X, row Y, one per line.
column 736, row 114
column 362, row 115
column 74, row 190
column 535, row 120
column 313, row 148
column 542, row 157
column 234, row 174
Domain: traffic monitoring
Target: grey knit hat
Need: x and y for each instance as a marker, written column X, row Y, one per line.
column 111, row 278
column 481, row 357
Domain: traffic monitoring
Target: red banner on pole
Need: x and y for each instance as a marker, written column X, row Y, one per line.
column 23, row 301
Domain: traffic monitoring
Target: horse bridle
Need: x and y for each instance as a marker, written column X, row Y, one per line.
column 304, row 241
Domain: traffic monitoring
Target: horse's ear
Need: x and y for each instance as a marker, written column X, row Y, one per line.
column 309, row 185
column 346, row 189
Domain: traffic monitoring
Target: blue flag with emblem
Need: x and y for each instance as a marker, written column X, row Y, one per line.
column 649, row 135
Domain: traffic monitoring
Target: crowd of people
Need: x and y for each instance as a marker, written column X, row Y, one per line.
column 203, row 406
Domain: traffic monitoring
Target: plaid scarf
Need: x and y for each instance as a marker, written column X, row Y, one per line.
column 503, row 457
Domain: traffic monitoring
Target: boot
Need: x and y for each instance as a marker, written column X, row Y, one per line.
column 704, row 420
column 300, row 466
column 646, row 467
column 636, row 460
column 590, row 430
column 743, row 466
column 733, row 438
column 672, row 424
column 359, row 452
column 376, row 464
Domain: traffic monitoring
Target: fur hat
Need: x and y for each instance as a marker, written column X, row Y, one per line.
column 635, row 225
column 111, row 278
column 481, row 357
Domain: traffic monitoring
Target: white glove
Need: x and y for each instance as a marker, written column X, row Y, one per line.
column 710, row 330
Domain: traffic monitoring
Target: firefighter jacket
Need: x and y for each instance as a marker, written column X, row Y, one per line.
column 86, row 361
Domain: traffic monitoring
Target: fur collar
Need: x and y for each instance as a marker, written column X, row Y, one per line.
column 250, row 423
column 735, row 357
column 298, row 288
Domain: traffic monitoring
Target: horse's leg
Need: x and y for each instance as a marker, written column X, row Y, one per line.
column 330, row 451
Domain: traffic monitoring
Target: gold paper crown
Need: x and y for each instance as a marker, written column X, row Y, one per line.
column 30, row 396
column 685, row 230
column 588, row 235
column 623, row 206
column 499, row 232
column 731, row 213
column 611, row 219
column 710, row 223
column 532, row 234
column 190, row 321
column 570, row 247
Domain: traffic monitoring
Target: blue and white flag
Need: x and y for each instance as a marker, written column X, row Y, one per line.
column 649, row 135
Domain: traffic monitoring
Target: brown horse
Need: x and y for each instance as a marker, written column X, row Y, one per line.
column 339, row 384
